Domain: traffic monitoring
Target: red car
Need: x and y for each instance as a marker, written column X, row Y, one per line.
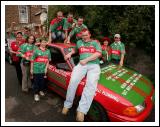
column 122, row 94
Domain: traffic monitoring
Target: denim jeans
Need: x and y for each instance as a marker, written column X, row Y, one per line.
column 79, row 72
column 58, row 35
column 38, row 83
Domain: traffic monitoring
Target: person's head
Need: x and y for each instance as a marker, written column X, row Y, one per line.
column 19, row 36
column 117, row 37
column 86, row 35
column 31, row 39
column 106, row 41
column 43, row 43
column 70, row 17
column 60, row 15
column 26, row 30
column 80, row 21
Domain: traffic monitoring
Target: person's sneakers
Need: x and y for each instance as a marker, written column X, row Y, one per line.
column 36, row 97
column 80, row 116
column 41, row 93
column 65, row 111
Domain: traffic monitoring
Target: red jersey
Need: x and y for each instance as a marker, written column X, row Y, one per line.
column 14, row 47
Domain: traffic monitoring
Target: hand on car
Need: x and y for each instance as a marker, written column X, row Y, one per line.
column 121, row 63
column 68, row 56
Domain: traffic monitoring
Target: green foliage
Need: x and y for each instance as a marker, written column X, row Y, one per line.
column 135, row 23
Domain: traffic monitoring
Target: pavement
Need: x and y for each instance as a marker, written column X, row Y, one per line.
column 21, row 107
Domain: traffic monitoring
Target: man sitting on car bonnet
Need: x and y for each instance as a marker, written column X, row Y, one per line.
column 89, row 51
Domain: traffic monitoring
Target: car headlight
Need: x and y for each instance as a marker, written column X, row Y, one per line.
column 134, row 110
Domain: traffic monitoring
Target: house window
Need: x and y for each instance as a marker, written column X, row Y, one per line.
column 23, row 13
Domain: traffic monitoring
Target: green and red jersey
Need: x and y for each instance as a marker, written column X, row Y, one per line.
column 56, row 25
column 68, row 24
column 118, row 48
column 40, row 58
column 87, row 49
column 27, row 50
column 77, row 31
column 106, row 53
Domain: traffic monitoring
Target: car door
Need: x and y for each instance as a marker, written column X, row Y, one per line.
column 58, row 72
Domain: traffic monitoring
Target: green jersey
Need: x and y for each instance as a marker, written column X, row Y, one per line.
column 118, row 48
column 40, row 59
column 86, row 49
column 68, row 24
column 25, row 36
column 27, row 50
column 77, row 31
column 56, row 25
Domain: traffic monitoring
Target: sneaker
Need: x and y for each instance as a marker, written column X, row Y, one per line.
column 36, row 97
column 80, row 117
column 65, row 111
column 41, row 93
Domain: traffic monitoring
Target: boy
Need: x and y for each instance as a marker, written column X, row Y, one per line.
column 39, row 64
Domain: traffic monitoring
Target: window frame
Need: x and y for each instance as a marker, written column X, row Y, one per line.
column 21, row 18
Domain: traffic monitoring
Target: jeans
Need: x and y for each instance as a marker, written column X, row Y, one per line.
column 58, row 35
column 38, row 83
column 79, row 72
column 26, row 81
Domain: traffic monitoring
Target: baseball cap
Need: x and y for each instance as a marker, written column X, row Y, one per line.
column 117, row 35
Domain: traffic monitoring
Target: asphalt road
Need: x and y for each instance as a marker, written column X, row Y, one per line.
column 21, row 107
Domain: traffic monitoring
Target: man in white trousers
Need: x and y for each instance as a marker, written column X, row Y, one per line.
column 89, row 51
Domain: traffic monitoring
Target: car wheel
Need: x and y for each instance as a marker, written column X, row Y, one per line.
column 10, row 60
column 96, row 113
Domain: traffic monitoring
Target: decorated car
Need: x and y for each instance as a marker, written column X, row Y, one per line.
column 122, row 94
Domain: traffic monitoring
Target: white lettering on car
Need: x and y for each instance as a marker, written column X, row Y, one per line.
column 61, row 72
column 131, row 81
column 107, row 94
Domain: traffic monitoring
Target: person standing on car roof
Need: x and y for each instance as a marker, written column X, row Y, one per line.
column 39, row 64
column 89, row 51
column 76, row 31
column 118, row 50
column 14, row 47
column 56, row 28
column 25, row 51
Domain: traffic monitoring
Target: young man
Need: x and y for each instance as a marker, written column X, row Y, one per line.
column 56, row 28
column 89, row 51
column 39, row 64
column 26, row 32
column 76, row 30
column 118, row 50
column 69, row 24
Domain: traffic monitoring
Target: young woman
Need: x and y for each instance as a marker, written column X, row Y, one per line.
column 26, row 51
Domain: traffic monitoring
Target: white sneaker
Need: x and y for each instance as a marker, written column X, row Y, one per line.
column 41, row 93
column 36, row 97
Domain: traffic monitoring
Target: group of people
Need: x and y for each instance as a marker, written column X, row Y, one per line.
column 31, row 59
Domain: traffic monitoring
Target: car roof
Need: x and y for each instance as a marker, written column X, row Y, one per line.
column 62, row 45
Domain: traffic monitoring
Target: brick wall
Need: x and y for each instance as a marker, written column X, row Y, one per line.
column 12, row 15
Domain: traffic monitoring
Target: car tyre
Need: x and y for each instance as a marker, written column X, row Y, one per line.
column 96, row 113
